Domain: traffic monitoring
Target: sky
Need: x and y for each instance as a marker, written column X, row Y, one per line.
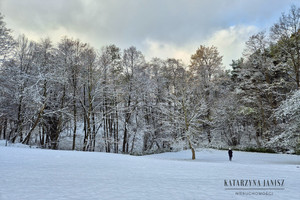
column 158, row 28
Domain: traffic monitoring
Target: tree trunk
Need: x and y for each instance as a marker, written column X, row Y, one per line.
column 207, row 126
column 1, row 127
column 27, row 138
column 4, row 128
column 74, row 80
column 93, row 132
column 56, row 123
column 125, row 138
column 84, row 119
column 116, row 130
column 127, row 118
column 192, row 149
column 19, row 127
column 132, row 145
column 74, row 124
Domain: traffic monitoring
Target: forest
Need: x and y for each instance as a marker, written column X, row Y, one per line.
column 73, row 96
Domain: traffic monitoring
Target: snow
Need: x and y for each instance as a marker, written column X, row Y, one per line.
column 37, row 174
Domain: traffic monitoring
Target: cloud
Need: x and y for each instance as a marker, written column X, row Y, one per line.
column 158, row 28
column 166, row 50
column 231, row 41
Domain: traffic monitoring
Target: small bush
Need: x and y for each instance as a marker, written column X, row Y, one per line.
column 297, row 150
column 260, row 150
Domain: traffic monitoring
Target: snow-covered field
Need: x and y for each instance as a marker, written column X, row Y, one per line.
column 36, row 174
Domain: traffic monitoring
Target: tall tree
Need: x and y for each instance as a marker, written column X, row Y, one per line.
column 288, row 115
column 6, row 41
column 43, row 76
column 111, row 69
column 286, row 33
column 70, row 52
column 90, row 99
column 133, row 60
column 24, row 62
column 7, row 44
column 205, row 64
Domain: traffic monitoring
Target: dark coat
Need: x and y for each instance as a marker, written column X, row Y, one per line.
column 230, row 153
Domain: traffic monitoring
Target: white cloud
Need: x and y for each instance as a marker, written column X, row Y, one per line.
column 164, row 29
column 166, row 50
column 231, row 42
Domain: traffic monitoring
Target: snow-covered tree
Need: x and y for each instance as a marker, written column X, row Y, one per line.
column 110, row 64
column 133, row 62
column 205, row 65
column 288, row 116
column 286, row 34
column 90, row 97
column 6, row 41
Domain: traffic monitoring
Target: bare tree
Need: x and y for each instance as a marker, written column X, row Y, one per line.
column 111, row 68
column 70, row 52
column 132, row 61
column 90, row 98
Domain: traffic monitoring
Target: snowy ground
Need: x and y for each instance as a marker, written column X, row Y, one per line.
column 36, row 174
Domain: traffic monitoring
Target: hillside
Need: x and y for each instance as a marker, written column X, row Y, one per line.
column 35, row 174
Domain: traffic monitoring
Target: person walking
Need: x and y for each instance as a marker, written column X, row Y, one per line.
column 230, row 154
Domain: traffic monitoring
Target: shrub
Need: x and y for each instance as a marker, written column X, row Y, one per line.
column 259, row 149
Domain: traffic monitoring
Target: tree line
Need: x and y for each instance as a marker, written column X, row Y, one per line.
column 72, row 96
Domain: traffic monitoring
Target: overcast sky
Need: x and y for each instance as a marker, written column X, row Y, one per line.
column 159, row 28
